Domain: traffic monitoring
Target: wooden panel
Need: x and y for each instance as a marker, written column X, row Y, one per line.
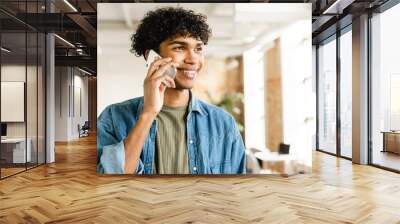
column 92, row 100
column 392, row 142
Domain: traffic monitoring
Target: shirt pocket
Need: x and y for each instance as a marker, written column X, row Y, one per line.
column 218, row 157
column 224, row 167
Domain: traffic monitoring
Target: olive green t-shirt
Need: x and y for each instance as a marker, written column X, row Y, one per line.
column 171, row 149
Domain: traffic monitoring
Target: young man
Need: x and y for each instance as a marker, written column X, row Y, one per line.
column 169, row 131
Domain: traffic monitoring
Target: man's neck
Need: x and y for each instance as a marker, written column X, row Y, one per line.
column 176, row 98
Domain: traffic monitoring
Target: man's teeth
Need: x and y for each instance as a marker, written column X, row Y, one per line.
column 189, row 73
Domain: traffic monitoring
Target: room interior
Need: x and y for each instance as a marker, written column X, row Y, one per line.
column 51, row 84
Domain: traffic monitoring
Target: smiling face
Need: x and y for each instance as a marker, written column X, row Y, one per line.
column 188, row 53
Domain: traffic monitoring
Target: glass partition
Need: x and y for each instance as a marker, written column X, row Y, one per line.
column 385, row 89
column 327, row 96
column 22, row 67
column 346, row 94
column 13, row 95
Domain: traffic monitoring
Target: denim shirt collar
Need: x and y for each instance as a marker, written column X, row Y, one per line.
column 194, row 105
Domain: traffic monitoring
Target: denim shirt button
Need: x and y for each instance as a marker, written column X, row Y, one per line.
column 191, row 141
column 194, row 168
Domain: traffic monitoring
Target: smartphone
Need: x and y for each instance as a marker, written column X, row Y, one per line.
column 171, row 72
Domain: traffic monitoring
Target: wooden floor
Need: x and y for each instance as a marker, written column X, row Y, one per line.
column 70, row 191
column 5, row 172
column 10, row 171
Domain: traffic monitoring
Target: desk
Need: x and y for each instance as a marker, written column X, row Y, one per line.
column 286, row 163
column 13, row 150
column 391, row 141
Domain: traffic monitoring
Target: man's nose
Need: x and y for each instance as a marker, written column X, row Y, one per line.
column 191, row 57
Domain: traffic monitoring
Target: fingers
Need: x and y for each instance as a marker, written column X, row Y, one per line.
column 156, row 73
column 162, row 88
column 165, row 79
column 156, row 64
column 162, row 69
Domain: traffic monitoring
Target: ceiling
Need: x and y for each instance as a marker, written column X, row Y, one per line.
column 72, row 20
column 235, row 27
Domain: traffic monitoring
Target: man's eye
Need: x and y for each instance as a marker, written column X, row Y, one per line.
column 179, row 48
column 199, row 49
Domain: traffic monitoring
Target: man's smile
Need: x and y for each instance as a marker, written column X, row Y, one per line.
column 188, row 73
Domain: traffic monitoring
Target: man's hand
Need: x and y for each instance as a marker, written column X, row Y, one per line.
column 153, row 85
column 153, row 100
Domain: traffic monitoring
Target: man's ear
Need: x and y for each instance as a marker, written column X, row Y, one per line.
column 146, row 54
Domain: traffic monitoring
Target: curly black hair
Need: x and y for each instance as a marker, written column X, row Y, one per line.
column 165, row 23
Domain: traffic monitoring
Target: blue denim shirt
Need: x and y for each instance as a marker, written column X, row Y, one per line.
column 214, row 143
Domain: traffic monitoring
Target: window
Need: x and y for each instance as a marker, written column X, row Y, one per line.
column 385, row 89
column 327, row 96
column 395, row 102
column 346, row 94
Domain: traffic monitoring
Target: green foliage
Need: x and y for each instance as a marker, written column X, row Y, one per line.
column 232, row 102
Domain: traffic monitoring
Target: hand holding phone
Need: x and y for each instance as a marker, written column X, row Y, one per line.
column 171, row 72
column 155, row 84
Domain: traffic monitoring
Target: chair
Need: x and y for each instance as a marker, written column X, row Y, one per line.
column 84, row 130
column 252, row 163
column 284, row 148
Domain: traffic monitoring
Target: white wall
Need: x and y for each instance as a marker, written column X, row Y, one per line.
column 254, row 116
column 61, row 103
column 297, row 90
column 68, row 80
column 79, row 117
column 120, row 73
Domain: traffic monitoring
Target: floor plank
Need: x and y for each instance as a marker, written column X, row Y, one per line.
column 70, row 191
